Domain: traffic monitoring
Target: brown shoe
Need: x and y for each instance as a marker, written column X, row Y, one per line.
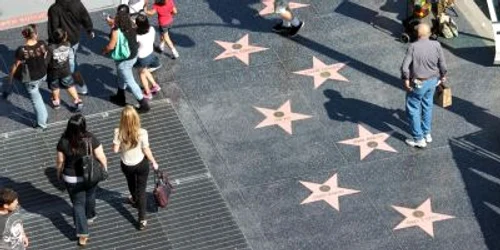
column 82, row 241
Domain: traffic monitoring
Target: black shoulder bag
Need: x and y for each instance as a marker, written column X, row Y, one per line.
column 25, row 71
column 93, row 173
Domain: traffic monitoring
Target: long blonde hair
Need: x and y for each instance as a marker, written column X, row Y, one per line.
column 130, row 124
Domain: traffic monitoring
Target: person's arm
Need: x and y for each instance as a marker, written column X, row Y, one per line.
column 405, row 68
column 101, row 157
column 147, row 151
column 116, row 142
column 52, row 24
column 59, row 164
column 112, row 43
column 174, row 11
column 443, row 69
column 13, row 70
column 150, row 12
column 26, row 242
column 85, row 19
column 149, row 155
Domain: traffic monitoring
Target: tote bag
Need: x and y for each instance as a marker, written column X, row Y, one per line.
column 121, row 51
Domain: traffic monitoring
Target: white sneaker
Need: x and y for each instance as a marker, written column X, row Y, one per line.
column 428, row 138
column 175, row 53
column 81, row 89
column 419, row 144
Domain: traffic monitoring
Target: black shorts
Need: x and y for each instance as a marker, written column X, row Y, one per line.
column 164, row 29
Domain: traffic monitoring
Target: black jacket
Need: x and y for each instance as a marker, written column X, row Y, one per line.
column 69, row 15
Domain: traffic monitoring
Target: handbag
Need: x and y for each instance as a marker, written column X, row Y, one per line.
column 122, row 50
column 25, row 71
column 163, row 189
column 442, row 96
column 92, row 172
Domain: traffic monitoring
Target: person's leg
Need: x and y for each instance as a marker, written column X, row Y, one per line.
column 162, row 40
column 37, row 101
column 78, row 199
column 68, row 83
column 125, row 71
column 427, row 105
column 142, row 179
column 129, row 172
column 119, row 97
column 166, row 38
column 90, row 212
column 56, row 98
column 144, row 82
column 128, row 76
column 73, row 66
column 414, row 112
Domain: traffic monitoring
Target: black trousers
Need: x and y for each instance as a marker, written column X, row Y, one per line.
column 137, row 178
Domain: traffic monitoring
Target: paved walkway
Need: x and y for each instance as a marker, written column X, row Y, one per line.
column 304, row 137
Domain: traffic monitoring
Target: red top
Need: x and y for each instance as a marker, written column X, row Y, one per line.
column 165, row 12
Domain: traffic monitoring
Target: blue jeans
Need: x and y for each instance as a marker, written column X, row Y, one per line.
column 83, row 200
column 126, row 77
column 37, row 101
column 73, row 65
column 419, row 103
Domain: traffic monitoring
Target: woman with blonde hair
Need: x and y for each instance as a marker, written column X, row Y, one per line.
column 132, row 142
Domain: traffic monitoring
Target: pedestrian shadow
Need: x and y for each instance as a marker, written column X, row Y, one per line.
column 243, row 17
column 369, row 16
column 34, row 200
column 356, row 111
column 16, row 114
column 97, row 77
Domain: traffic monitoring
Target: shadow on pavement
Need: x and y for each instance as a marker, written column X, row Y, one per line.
column 347, row 109
column 35, row 200
column 477, row 156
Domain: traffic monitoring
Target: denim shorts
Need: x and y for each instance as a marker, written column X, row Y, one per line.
column 280, row 6
column 62, row 82
column 164, row 29
column 150, row 61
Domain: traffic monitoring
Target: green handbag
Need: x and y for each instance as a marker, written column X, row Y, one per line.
column 121, row 51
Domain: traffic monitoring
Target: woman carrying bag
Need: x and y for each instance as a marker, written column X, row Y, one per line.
column 30, row 68
column 123, row 47
column 132, row 142
column 76, row 143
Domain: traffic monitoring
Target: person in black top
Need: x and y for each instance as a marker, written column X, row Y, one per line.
column 59, row 74
column 123, row 24
column 70, row 15
column 70, row 149
column 30, row 68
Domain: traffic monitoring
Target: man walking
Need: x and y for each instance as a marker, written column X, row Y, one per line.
column 69, row 15
column 423, row 67
column 290, row 24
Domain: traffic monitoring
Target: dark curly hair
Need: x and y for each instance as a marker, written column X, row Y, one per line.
column 122, row 19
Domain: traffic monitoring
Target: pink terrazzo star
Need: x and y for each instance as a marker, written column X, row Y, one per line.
column 328, row 192
column 269, row 7
column 368, row 142
column 322, row 72
column 282, row 117
column 240, row 49
column 422, row 217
